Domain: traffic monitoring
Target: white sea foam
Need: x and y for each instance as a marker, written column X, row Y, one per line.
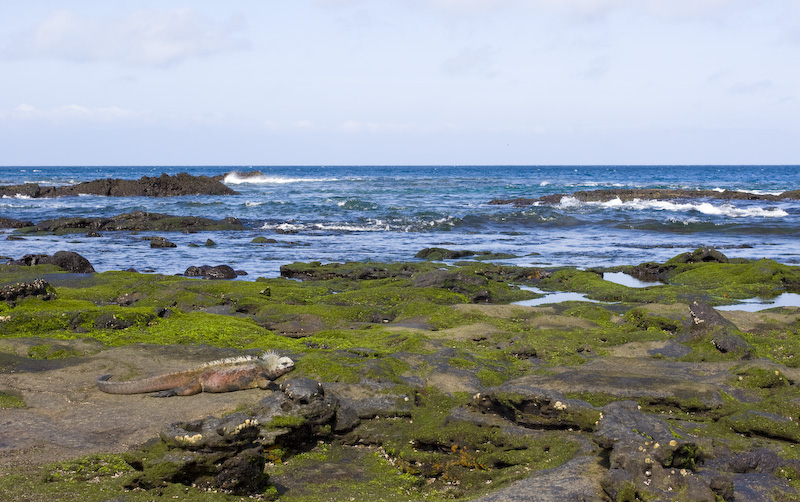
column 755, row 192
column 374, row 226
column 261, row 179
column 707, row 208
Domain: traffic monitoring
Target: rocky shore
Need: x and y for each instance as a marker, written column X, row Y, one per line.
column 629, row 194
column 147, row 186
column 412, row 381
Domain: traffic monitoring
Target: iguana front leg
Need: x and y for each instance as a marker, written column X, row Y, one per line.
column 194, row 387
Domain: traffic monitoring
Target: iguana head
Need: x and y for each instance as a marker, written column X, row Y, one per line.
column 276, row 364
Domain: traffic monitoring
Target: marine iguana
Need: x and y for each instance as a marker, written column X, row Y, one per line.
column 224, row 375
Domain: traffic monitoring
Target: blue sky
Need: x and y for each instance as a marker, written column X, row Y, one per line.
column 323, row 82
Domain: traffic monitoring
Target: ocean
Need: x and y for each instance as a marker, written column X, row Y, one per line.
column 389, row 213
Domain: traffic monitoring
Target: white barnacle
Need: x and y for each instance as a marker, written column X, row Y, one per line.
column 560, row 406
column 189, row 439
column 244, row 425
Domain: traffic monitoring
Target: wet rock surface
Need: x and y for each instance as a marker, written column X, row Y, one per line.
column 68, row 260
column 213, row 273
column 13, row 223
column 135, row 221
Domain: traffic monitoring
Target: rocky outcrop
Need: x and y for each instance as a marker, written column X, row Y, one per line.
column 161, row 242
column 136, row 221
column 209, row 272
column 161, row 186
column 439, row 254
column 647, row 455
column 723, row 334
column 228, row 454
column 629, row 194
column 68, row 260
column 12, row 223
column 38, row 287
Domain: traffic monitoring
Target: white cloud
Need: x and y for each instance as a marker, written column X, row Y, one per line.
column 472, row 61
column 357, row 127
column 72, row 113
column 141, row 38
column 750, row 87
column 588, row 9
column 304, row 124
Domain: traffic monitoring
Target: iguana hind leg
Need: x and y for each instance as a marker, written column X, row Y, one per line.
column 195, row 387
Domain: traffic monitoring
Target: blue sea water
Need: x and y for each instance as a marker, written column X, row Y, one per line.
column 388, row 213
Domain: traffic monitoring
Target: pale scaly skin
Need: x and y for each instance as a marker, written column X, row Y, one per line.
column 225, row 375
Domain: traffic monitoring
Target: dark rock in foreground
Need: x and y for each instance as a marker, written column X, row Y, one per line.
column 161, row 186
column 68, row 260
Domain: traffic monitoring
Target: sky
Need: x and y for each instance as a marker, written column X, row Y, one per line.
column 399, row 82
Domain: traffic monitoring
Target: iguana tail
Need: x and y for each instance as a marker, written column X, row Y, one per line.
column 152, row 384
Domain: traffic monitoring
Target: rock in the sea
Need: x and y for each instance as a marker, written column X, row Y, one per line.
column 137, row 221
column 161, row 186
column 68, row 260
column 161, row 242
column 263, row 240
column 629, row 194
column 12, row 223
column 699, row 255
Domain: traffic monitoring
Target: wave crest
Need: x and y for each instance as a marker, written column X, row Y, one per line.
column 728, row 210
column 259, row 178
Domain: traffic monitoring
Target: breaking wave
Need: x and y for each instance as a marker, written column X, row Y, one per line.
column 259, row 178
column 728, row 210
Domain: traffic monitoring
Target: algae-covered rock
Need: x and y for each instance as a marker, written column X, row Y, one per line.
column 441, row 254
column 68, row 260
column 38, row 287
column 209, row 272
column 13, row 223
column 134, row 221
column 699, row 255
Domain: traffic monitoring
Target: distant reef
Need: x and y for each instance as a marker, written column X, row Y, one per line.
column 629, row 194
column 147, row 186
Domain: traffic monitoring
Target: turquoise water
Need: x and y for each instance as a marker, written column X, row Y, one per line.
column 389, row 213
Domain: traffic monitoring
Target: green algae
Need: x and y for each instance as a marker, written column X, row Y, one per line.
column 96, row 478
column 764, row 278
column 354, row 343
column 341, row 473
column 462, row 457
column 10, row 401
